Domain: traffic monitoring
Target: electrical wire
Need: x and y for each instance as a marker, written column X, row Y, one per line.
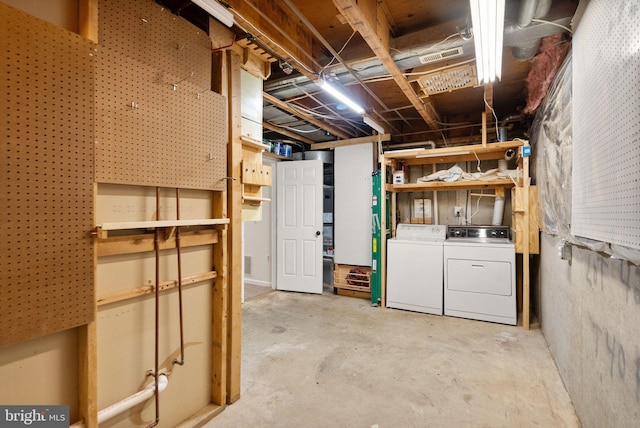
column 542, row 21
column 478, row 167
column 339, row 52
column 296, row 130
column 468, row 221
column 494, row 115
column 431, row 48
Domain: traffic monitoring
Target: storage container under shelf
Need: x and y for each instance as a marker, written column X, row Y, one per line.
column 350, row 277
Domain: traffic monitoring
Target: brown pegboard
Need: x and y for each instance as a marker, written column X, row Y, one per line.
column 149, row 134
column 46, row 178
column 151, row 34
column 148, row 130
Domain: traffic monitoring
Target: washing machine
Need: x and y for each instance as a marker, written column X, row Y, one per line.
column 480, row 274
column 414, row 268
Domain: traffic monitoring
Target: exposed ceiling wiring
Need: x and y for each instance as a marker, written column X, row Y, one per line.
column 340, row 51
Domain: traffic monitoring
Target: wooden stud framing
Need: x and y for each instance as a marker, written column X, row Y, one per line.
column 88, row 352
column 526, row 292
column 219, row 306
column 234, row 169
column 88, row 19
column 87, row 334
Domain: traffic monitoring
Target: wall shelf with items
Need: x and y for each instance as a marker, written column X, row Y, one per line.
column 255, row 175
column 520, row 184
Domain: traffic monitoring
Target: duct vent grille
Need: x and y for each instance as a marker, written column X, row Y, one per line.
column 449, row 80
column 442, row 55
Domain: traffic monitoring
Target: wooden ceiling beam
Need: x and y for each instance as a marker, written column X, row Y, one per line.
column 306, row 117
column 287, row 133
column 370, row 21
column 271, row 26
column 352, row 141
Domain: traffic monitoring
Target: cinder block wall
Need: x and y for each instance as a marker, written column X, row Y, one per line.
column 589, row 306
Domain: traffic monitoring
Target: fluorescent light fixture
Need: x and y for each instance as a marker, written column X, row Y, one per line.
column 339, row 95
column 216, row 10
column 487, row 17
column 373, row 124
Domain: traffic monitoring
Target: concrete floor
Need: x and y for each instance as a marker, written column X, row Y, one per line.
column 332, row 361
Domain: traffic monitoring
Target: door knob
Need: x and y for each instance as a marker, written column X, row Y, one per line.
column 317, row 233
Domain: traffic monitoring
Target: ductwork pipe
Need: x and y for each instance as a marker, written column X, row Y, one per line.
column 129, row 402
column 498, row 211
column 529, row 10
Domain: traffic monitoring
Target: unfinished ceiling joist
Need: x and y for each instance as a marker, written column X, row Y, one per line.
column 307, row 117
column 267, row 21
column 372, row 24
column 352, row 141
column 287, row 133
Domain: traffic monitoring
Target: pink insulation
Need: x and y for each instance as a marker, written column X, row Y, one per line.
column 544, row 67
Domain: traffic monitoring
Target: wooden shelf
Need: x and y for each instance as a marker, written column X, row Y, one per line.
column 447, row 154
column 253, row 143
column 275, row 156
column 454, row 185
column 254, row 199
column 162, row 223
column 494, row 151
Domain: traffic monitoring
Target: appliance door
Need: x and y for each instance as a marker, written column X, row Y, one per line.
column 480, row 282
column 479, row 276
column 415, row 276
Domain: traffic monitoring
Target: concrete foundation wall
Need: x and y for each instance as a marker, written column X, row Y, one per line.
column 590, row 316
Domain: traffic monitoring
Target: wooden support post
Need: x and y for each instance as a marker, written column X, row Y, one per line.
column 484, row 129
column 87, row 351
column 526, row 293
column 88, row 19
column 219, row 305
column 383, row 231
column 234, row 170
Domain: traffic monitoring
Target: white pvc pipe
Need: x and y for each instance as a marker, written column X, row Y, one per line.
column 129, row 402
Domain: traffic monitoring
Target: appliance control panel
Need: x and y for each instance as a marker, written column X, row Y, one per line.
column 479, row 232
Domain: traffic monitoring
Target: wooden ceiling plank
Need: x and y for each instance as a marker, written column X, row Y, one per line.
column 287, row 133
column 370, row 21
column 307, row 117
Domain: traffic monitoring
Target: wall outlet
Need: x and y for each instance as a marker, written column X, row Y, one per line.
column 457, row 211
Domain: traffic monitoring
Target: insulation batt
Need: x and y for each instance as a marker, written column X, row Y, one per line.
column 544, row 68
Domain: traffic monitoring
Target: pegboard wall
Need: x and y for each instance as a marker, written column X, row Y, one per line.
column 46, row 178
column 151, row 34
column 606, row 125
column 157, row 121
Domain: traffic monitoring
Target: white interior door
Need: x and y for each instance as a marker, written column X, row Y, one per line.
column 299, row 226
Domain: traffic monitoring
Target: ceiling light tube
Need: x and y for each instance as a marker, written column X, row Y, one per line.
column 366, row 119
column 216, row 10
column 487, row 17
column 342, row 97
